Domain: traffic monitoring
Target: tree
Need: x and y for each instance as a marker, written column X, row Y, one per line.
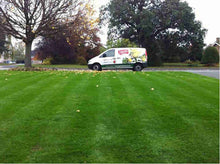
column 3, row 41
column 120, row 43
column 56, row 48
column 211, row 56
column 27, row 19
column 78, row 39
column 150, row 23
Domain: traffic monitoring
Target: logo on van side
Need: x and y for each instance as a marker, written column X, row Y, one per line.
column 121, row 52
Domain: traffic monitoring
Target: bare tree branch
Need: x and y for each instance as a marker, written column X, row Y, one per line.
column 27, row 19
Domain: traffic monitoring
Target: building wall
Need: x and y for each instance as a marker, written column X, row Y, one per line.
column 1, row 59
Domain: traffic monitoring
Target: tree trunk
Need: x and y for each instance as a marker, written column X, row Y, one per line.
column 28, row 54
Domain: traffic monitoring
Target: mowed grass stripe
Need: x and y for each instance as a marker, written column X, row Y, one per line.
column 71, row 131
column 8, row 79
column 40, row 117
column 15, row 101
column 194, row 83
column 187, row 91
column 58, row 128
column 22, row 110
column 107, row 120
column 136, row 145
column 19, row 86
column 182, row 122
column 142, row 146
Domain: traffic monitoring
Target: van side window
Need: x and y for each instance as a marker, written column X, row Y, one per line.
column 110, row 53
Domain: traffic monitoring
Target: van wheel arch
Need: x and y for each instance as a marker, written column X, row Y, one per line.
column 138, row 67
column 97, row 67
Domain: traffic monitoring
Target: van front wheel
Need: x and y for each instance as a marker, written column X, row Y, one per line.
column 137, row 67
column 97, row 67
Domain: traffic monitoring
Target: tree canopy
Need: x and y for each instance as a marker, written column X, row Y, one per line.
column 27, row 19
column 78, row 39
column 164, row 27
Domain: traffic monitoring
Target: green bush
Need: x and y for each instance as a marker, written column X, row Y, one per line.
column 81, row 60
column 48, row 61
column 154, row 60
column 211, row 56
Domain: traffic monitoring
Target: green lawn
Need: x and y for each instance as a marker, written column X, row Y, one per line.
column 108, row 117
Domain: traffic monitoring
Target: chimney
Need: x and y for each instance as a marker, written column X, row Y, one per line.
column 218, row 40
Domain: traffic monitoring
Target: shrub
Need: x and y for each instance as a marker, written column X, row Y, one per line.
column 48, row 61
column 81, row 60
column 18, row 61
column 211, row 56
column 191, row 63
column 154, row 60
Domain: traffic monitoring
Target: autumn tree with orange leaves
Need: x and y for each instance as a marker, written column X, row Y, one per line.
column 77, row 40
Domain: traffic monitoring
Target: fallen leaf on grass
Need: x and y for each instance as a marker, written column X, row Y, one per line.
column 77, row 111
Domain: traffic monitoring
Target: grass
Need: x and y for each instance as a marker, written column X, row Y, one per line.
column 124, row 117
column 3, row 64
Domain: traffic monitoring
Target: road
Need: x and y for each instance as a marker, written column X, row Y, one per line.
column 205, row 72
column 7, row 67
column 210, row 73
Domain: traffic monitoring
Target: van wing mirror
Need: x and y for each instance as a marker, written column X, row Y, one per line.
column 104, row 55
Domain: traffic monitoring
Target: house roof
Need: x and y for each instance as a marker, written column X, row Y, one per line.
column 216, row 44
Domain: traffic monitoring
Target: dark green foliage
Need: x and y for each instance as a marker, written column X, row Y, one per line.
column 166, row 27
column 56, row 48
column 154, row 60
column 81, row 60
column 120, row 43
column 211, row 56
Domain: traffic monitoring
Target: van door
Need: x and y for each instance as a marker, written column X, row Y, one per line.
column 122, row 58
column 108, row 58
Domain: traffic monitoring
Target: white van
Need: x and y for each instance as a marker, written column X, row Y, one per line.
column 129, row 58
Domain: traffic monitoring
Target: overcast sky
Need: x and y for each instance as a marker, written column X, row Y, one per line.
column 207, row 11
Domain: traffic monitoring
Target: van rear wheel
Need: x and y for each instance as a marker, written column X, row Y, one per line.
column 97, row 67
column 137, row 67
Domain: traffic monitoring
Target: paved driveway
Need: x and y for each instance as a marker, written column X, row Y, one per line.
column 7, row 67
column 210, row 73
